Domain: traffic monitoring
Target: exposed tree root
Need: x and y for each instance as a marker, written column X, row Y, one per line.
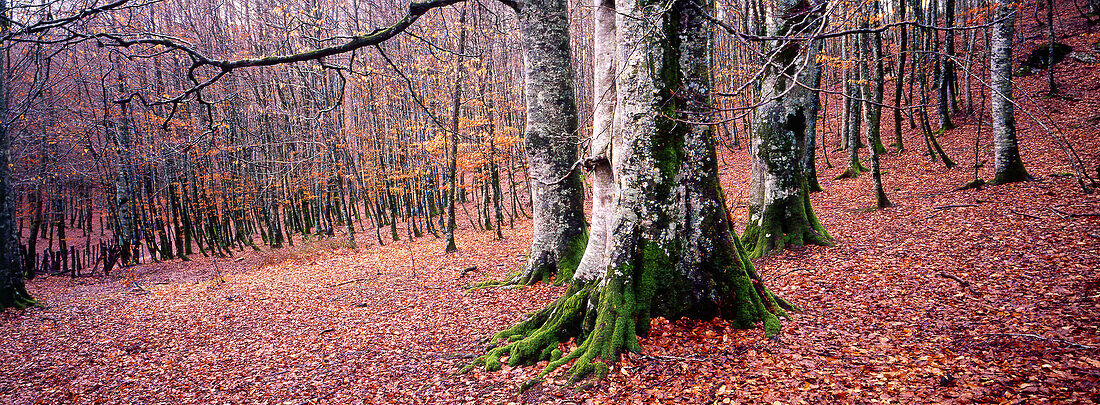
column 782, row 225
column 850, row 173
column 16, row 298
column 606, row 317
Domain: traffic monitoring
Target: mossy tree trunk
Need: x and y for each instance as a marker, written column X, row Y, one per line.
column 13, row 292
column 873, row 84
column 557, row 195
column 1006, row 152
column 671, row 251
column 779, row 205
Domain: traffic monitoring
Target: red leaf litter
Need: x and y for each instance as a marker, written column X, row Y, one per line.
column 972, row 296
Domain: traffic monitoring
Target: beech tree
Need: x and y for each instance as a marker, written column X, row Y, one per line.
column 550, row 137
column 780, row 213
column 671, row 251
column 13, row 292
column 1008, row 165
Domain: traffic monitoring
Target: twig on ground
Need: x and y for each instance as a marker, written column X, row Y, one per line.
column 467, row 270
column 395, row 310
column 672, row 358
column 1073, row 215
column 346, row 282
column 1046, row 339
column 787, row 273
column 1023, row 214
column 963, row 283
column 944, row 207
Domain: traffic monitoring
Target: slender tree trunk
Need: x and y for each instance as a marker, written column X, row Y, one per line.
column 873, row 87
column 453, row 152
column 604, row 131
column 903, row 44
column 13, row 292
column 1007, row 163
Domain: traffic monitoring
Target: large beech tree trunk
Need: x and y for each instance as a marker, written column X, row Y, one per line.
column 779, row 205
column 1006, row 153
column 557, row 194
column 670, row 251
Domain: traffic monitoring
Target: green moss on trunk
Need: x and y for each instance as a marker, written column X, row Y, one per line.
column 789, row 222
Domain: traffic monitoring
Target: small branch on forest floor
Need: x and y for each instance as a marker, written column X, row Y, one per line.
column 1071, row 214
column 346, row 282
column 944, row 207
column 395, row 310
column 787, row 273
column 1046, row 339
column 672, row 358
column 963, row 283
column 1023, row 214
column 467, row 270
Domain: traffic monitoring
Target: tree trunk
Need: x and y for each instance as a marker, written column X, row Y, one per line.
column 557, row 195
column 604, row 131
column 873, row 87
column 1006, row 153
column 453, row 144
column 903, row 43
column 779, row 209
column 671, row 251
column 13, row 292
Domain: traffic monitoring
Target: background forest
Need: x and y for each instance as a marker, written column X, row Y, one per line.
column 237, row 201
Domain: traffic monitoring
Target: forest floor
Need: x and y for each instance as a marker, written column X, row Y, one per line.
column 989, row 295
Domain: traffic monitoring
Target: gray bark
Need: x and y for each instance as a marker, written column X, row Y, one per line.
column 550, row 137
column 13, row 292
column 1006, row 160
column 671, row 252
column 453, row 144
column 873, row 85
column 124, row 193
column 779, row 206
column 604, row 131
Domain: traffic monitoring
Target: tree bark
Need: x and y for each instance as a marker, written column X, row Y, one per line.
column 1006, row 152
column 550, row 137
column 452, row 155
column 13, row 292
column 873, row 86
column 671, row 251
column 779, row 209
column 604, row 131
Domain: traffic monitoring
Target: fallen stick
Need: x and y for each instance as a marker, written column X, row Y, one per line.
column 395, row 310
column 963, row 283
column 1037, row 337
column 672, row 358
column 1023, row 214
column 944, row 207
column 1073, row 215
column 787, row 273
column 467, row 270
column 346, row 282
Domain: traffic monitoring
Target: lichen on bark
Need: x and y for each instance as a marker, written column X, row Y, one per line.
column 670, row 251
column 780, row 213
